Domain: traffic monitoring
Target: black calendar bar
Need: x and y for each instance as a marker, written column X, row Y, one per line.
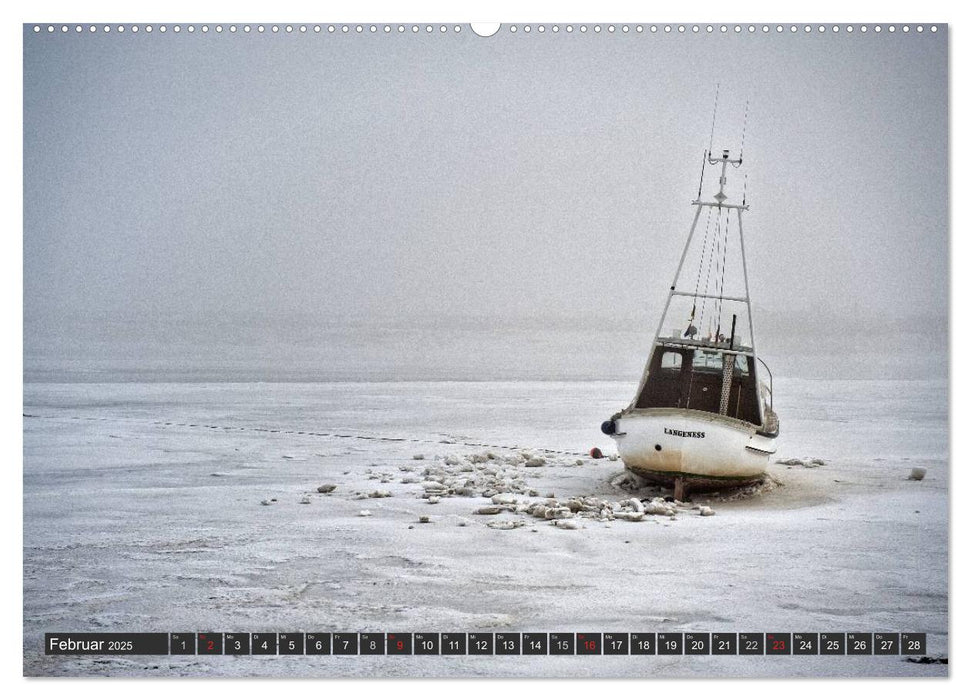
column 520, row 644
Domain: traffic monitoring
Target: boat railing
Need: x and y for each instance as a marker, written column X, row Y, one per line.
column 762, row 362
column 723, row 347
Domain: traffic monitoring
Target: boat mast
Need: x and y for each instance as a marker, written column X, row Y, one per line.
column 719, row 203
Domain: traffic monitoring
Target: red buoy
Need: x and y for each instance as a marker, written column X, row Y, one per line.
column 596, row 453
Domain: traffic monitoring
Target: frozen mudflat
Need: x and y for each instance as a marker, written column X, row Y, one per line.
column 144, row 511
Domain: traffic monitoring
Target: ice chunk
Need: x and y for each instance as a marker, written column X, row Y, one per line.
column 506, row 524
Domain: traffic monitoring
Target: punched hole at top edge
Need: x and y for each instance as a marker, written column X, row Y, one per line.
column 485, row 29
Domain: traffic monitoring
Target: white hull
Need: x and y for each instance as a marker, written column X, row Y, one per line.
column 662, row 444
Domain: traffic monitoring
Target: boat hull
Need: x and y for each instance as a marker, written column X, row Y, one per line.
column 706, row 450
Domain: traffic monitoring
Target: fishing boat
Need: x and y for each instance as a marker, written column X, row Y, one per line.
column 702, row 417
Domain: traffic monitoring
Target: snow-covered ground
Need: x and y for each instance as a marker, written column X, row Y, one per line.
column 143, row 511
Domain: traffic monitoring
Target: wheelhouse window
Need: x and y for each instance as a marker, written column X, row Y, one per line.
column 712, row 362
column 704, row 360
column 741, row 364
column 671, row 360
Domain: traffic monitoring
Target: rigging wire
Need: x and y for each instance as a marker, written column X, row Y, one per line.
column 714, row 256
column 721, row 286
column 741, row 149
column 711, row 139
column 701, row 180
column 716, row 319
column 701, row 263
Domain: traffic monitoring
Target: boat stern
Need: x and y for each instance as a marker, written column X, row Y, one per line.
column 705, row 449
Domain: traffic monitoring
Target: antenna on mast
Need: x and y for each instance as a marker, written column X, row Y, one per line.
column 714, row 112
column 711, row 140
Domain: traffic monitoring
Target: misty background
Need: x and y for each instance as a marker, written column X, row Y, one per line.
column 436, row 205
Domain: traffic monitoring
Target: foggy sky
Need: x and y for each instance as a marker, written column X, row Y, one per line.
column 420, row 177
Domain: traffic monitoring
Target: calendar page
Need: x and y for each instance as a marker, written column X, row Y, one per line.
column 434, row 349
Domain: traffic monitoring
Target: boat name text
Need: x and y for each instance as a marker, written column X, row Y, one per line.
column 684, row 433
